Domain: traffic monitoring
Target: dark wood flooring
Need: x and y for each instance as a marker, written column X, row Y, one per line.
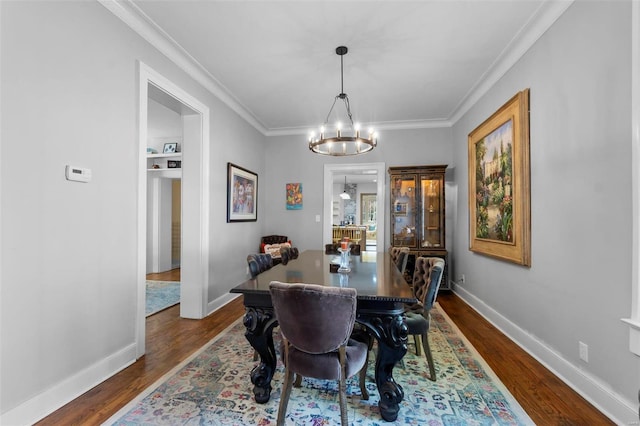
column 171, row 339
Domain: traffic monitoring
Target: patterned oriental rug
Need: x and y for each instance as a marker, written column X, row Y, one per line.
column 161, row 295
column 213, row 387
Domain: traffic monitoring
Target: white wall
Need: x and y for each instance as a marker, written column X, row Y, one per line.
column 395, row 148
column 579, row 284
column 68, row 250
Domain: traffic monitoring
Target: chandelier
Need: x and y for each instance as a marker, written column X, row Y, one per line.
column 343, row 143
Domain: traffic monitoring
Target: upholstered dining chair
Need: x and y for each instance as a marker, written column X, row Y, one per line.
column 399, row 256
column 331, row 248
column 426, row 283
column 285, row 255
column 356, row 249
column 316, row 323
column 258, row 263
column 294, row 253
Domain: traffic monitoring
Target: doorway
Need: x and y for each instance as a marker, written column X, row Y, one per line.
column 336, row 173
column 194, row 206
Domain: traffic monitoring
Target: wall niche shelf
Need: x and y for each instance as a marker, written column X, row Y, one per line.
column 162, row 160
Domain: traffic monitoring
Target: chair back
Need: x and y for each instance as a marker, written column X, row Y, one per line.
column 258, row 263
column 400, row 256
column 426, row 280
column 395, row 253
column 295, row 252
column 315, row 319
column 285, row 255
column 403, row 257
column 331, row 248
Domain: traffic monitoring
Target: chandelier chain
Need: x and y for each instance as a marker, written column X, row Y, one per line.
column 346, row 102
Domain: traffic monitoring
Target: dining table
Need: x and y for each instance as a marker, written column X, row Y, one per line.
column 381, row 295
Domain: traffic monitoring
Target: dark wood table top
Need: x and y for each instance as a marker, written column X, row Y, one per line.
column 373, row 275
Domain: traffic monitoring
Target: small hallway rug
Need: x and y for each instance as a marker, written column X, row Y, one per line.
column 161, row 295
column 213, row 387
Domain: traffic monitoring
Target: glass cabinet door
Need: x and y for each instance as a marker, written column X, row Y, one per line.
column 403, row 210
column 432, row 217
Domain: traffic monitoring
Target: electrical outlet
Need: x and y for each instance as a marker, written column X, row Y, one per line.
column 462, row 279
column 584, row 351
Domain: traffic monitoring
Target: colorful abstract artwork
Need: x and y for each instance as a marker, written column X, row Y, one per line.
column 294, row 196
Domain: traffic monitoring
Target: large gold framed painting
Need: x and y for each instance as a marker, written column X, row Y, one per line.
column 499, row 184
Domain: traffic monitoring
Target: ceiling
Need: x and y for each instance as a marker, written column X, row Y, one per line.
column 410, row 64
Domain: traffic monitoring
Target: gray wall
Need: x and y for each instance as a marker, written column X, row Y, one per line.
column 578, row 286
column 68, row 254
column 68, row 250
column 395, row 148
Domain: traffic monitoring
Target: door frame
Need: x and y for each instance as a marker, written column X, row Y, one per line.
column 194, row 205
column 329, row 171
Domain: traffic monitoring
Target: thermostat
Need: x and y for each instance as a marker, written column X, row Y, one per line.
column 78, row 174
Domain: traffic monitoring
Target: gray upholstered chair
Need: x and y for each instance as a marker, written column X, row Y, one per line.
column 285, row 255
column 331, row 248
column 316, row 323
column 295, row 252
column 426, row 283
column 399, row 256
column 356, row 249
column 258, row 263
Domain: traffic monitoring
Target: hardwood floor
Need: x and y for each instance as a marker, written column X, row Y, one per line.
column 172, row 275
column 545, row 398
column 171, row 339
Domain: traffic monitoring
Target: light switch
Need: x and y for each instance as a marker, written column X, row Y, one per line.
column 317, row 218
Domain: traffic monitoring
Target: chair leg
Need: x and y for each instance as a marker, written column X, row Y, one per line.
column 255, row 355
column 343, row 401
column 284, row 398
column 416, row 340
column 298, row 382
column 427, row 353
column 342, row 385
column 363, row 379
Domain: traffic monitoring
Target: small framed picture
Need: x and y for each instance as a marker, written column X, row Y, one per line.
column 170, row 148
column 171, row 164
column 242, row 194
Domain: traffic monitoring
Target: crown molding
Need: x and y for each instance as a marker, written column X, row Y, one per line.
column 139, row 22
column 538, row 24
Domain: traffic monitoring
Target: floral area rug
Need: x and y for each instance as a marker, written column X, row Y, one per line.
column 161, row 295
column 213, row 388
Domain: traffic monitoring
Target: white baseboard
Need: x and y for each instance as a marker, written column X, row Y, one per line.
column 599, row 394
column 66, row 391
column 69, row 389
column 220, row 302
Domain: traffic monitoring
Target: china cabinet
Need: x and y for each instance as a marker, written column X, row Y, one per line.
column 418, row 213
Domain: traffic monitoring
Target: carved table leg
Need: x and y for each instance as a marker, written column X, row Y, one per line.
column 390, row 330
column 259, row 323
